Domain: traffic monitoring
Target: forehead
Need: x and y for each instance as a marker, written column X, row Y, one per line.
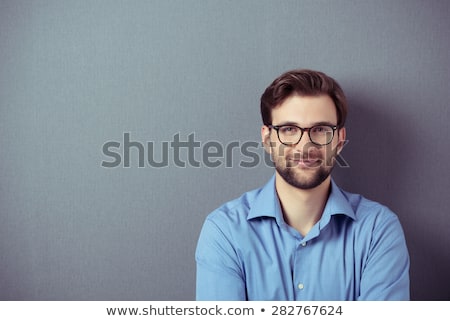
column 305, row 111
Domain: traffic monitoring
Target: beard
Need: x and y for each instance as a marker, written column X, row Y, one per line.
column 316, row 177
column 306, row 178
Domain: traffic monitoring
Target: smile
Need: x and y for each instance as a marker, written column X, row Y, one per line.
column 307, row 162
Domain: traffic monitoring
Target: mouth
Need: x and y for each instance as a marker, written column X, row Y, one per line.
column 306, row 162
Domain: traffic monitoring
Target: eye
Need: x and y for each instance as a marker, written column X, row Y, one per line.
column 320, row 129
column 289, row 130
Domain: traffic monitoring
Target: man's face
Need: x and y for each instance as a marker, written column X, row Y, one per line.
column 304, row 165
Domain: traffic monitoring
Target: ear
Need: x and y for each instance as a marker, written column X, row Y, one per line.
column 265, row 138
column 342, row 135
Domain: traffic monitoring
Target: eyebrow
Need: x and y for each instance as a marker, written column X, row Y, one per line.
column 312, row 125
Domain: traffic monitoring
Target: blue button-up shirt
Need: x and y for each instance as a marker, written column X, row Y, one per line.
column 357, row 251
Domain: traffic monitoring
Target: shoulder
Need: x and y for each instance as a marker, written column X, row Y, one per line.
column 228, row 222
column 364, row 206
column 234, row 211
column 370, row 213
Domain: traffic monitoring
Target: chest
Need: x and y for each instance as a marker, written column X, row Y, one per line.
column 282, row 266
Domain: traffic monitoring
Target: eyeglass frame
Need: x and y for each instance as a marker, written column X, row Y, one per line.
column 307, row 129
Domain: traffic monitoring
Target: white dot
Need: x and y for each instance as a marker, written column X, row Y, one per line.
column 301, row 286
column 304, row 244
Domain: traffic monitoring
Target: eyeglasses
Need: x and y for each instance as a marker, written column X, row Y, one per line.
column 291, row 135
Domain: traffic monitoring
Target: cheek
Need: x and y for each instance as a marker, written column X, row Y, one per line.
column 279, row 150
column 330, row 151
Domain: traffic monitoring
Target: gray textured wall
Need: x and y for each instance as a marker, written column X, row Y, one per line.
column 75, row 75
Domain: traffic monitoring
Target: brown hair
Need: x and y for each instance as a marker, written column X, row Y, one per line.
column 302, row 82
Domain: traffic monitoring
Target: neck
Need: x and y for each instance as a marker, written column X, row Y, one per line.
column 302, row 208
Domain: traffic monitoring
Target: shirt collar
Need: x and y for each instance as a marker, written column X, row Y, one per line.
column 267, row 204
column 337, row 203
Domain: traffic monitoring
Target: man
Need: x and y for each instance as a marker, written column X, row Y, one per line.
column 300, row 237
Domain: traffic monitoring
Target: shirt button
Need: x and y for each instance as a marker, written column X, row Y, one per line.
column 304, row 244
column 300, row 286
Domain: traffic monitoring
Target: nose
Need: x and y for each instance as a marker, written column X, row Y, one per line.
column 304, row 143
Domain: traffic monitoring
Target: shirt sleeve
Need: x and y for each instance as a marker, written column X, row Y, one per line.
column 385, row 273
column 219, row 275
